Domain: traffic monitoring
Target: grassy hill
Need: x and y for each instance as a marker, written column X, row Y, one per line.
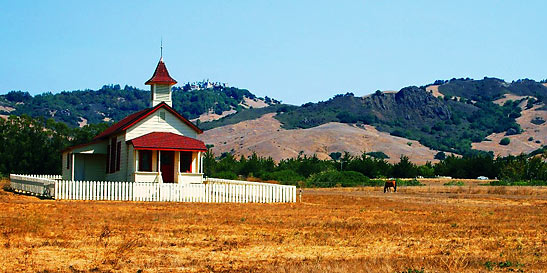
column 466, row 110
column 489, row 89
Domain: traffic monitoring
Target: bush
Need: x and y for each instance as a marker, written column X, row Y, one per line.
column 454, row 183
column 376, row 182
column 5, row 184
column 537, row 121
column 518, row 183
column 336, row 178
column 226, row 175
column 505, row 141
column 440, row 156
column 286, row 176
column 412, row 182
column 379, row 155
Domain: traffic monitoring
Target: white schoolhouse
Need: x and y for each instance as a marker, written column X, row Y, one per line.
column 156, row 144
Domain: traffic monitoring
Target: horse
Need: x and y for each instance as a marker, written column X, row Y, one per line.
column 390, row 184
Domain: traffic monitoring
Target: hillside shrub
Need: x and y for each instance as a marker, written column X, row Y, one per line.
column 379, row 155
column 440, row 156
column 518, row 183
column 287, row 177
column 505, row 141
column 377, row 182
column 454, row 183
column 537, row 121
column 226, row 175
column 337, row 178
column 411, row 182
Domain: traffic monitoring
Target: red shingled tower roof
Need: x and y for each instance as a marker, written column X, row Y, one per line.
column 161, row 75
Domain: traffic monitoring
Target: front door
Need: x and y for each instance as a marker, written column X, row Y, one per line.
column 167, row 166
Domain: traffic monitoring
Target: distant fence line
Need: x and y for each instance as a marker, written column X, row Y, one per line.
column 213, row 191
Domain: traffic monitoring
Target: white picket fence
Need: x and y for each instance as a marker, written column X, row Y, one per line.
column 163, row 192
column 213, row 191
column 34, row 184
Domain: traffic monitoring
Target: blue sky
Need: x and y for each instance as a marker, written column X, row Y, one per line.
column 295, row 51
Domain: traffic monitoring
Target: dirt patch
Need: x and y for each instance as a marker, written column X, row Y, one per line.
column 266, row 137
column 256, row 103
column 82, row 122
column 210, row 116
column 7, row 109
column 507, row 97
column 434, row 89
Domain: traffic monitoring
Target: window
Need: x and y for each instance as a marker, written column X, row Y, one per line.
column 162, row 115
column 185, row 162
column 107, row 159
column 68, row 160
column 118, row 155
column 145, row 161
column 112, row 167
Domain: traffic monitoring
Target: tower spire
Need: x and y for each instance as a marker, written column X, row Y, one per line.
column 161, row 48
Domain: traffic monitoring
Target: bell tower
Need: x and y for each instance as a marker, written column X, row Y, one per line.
column 160, row 85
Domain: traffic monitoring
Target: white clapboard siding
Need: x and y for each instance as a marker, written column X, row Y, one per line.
column 153, row 122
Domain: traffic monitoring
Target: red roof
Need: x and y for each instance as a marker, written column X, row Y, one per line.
column 132, row 119
column 161, row 75
column 168, row 141
column 122, row 123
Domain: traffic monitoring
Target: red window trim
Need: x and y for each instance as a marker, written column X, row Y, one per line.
column 176, row 150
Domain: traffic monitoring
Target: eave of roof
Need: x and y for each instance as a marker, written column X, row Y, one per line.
column 80, row 145
column 167, row 141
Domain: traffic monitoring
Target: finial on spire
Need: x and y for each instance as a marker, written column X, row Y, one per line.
column 161, row 48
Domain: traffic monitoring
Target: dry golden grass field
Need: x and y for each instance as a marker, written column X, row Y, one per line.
column 431, row 228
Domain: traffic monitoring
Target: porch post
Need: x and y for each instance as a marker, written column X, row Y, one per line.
column 200, row 162
column 136, row 163
column 160, row 179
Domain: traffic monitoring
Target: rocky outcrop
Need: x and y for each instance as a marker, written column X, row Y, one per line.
column 411, row 103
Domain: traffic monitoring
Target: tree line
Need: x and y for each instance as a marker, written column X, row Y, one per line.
column 349, row 170
column 29, row 145
column 33, row 146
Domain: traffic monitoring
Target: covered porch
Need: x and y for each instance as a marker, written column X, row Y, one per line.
column 167, row 158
